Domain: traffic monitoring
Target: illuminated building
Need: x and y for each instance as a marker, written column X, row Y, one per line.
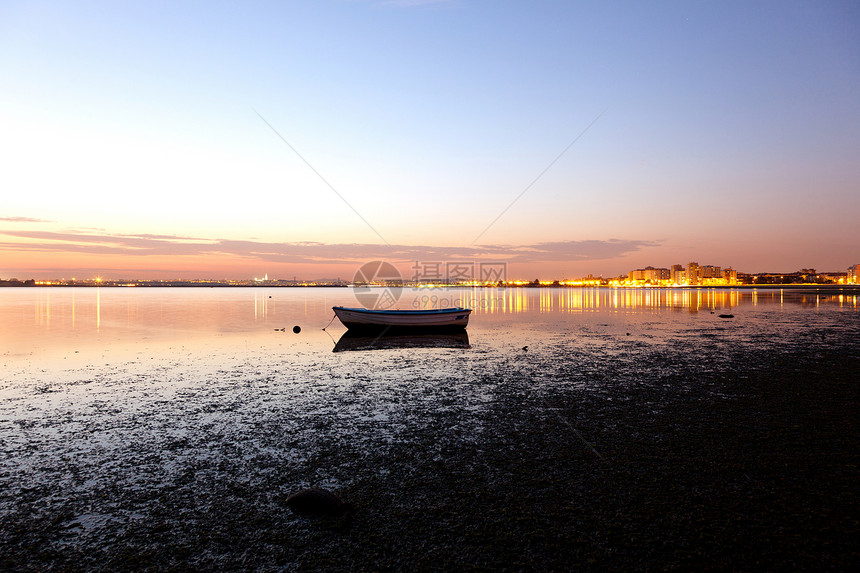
column 730, row 275
column 649, row 274
column 693, row 275
column 853, row 272
column 710, row 272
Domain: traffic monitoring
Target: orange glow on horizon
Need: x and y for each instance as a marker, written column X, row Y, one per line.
column 46, row 266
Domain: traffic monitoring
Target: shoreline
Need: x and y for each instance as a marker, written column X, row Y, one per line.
column 806, row 288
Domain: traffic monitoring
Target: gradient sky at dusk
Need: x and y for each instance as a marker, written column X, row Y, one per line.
column 144, row 140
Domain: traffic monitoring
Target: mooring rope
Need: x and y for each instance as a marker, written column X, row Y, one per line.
column 334, row 316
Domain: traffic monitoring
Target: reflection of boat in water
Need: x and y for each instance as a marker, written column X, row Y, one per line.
column 360, row 341
column 390, row 321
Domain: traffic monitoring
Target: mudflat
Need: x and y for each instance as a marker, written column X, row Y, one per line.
column 700, row 452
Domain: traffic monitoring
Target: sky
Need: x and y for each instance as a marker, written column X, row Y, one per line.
column 304, row 138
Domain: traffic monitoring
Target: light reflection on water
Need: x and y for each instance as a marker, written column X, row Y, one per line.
column 550, row 300
column 44, row 323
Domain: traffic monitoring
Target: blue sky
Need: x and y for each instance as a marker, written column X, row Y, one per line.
column 728, row 133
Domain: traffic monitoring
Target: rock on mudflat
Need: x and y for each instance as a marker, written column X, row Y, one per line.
column 319, row 502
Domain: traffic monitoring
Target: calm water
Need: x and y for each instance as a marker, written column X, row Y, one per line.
column 48, row 330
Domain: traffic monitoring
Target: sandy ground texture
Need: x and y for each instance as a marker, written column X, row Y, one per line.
column 588, row 451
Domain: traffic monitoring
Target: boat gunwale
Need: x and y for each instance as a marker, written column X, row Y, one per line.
column 395, row 312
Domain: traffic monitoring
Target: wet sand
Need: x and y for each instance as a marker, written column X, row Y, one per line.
column 699, row 452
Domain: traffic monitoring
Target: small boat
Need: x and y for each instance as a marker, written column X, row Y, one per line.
column 433, row 320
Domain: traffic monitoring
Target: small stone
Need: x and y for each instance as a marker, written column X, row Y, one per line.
column 317, row 502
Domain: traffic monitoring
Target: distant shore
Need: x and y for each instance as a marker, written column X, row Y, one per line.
column 811, row 288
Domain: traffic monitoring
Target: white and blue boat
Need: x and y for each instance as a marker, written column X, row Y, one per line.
column 439, row 319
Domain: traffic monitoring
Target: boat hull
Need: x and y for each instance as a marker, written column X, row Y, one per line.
column 391, row 321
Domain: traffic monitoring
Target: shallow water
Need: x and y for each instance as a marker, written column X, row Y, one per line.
column 113, row 400
column 46, row 326
column 56, row 336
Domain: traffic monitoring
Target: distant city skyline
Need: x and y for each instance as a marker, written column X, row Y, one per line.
column 488, row 273
column 306, row 138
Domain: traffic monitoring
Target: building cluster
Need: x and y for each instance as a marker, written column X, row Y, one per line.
column 691, row 274
column 694, row 274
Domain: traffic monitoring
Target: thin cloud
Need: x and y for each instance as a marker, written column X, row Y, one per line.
column 314, row 252
column 584, row 250
column 23, row 220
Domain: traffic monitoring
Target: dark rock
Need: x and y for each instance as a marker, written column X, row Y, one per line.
column 318, row 502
